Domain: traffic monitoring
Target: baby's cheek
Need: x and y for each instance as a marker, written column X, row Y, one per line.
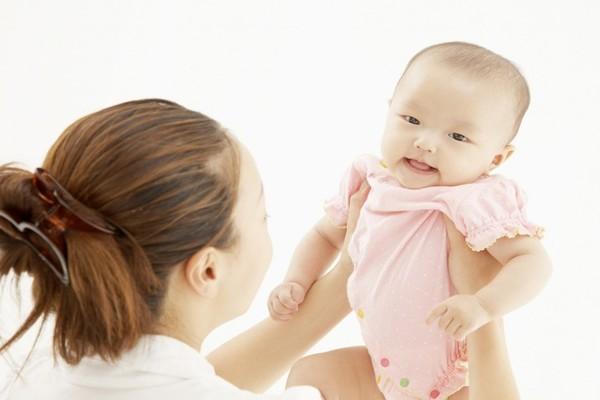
column 459, row 171
column 391, row 148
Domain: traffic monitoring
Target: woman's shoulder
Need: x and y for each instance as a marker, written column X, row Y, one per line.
column 226, row 390
column 30, row 377
column 158, row 367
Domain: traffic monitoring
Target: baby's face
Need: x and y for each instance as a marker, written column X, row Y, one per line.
column 444, row 128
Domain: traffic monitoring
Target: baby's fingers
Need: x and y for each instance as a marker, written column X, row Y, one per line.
column 280, row 308
column 297, row 292
column 453, row 328
column 286, row 299
column 461, row 333
column 435, row 313
column 445, row 321
column 278, row 311
column 271, row 308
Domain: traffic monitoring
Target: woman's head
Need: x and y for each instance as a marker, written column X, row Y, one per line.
column 216, row 284
column 177, row 185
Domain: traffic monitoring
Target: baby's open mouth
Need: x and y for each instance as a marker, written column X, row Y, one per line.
column 419, row 167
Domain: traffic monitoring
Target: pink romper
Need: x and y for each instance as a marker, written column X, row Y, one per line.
column 400, row 255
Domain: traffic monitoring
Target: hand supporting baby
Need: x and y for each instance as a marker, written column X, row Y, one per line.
column 525, row 269
column 469, row 271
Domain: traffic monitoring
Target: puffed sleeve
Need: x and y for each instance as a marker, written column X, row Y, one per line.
column 336, row 207
column 493, row 210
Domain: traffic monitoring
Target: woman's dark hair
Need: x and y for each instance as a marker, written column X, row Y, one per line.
column 167, row 177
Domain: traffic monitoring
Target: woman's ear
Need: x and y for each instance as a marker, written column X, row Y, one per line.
column 508, row 150
column 203, row 273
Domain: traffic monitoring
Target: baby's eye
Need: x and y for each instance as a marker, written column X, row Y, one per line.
column 458, row 137
column 411, row 120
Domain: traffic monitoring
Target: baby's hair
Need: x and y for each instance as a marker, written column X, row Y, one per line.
column 480, row 62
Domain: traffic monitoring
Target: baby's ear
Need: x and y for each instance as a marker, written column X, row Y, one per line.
column 508, row 150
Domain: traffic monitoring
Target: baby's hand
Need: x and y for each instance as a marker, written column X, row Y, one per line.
column 460, row 315
column 285, row 299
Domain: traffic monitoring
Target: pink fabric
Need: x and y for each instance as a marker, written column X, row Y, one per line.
column 400, row 253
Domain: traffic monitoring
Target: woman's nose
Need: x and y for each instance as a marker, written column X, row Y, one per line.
column 425, row 144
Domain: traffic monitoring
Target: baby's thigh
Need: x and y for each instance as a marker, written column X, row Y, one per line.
column 339, row 374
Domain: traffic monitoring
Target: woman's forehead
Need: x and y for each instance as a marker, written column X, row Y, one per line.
column 250, row 179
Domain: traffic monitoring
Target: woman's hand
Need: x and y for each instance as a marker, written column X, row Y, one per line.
column 464, row 313
column 469, row 270
column 490, row 373
column 357, row 200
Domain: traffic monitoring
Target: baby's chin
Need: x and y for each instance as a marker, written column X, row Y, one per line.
column 411, row 183
column 420, row 184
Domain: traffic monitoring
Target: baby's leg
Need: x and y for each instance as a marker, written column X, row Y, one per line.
column 339, row 374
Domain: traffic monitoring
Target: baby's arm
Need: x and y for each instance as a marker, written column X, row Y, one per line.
column 526, row 267
column 315, row 252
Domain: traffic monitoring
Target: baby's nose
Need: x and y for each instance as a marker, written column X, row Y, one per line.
column 425, row 145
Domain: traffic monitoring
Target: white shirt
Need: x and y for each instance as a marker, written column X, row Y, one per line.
column 157, row 368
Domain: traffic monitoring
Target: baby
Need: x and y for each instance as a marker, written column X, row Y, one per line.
column 453, row 113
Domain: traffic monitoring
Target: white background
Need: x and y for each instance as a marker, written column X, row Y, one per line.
column 305, row 84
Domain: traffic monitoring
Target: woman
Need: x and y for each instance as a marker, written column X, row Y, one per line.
column 143, row 232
